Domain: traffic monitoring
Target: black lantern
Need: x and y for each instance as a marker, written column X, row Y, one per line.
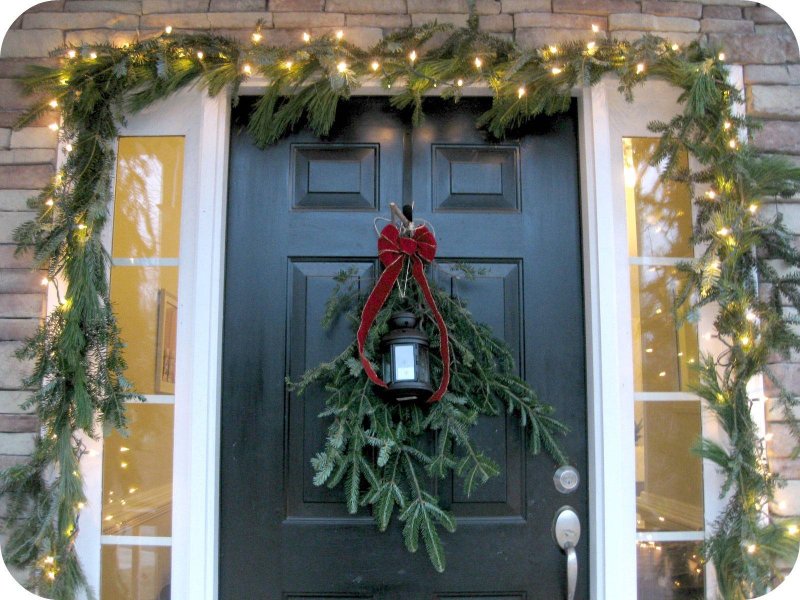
column 406, row 368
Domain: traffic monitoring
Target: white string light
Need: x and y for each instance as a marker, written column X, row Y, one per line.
column 72, row 53
column 478, row 62
column 168, row 29
column 200, row 55
column 341, row 67
column 412, row 56
column 375, row 65
column 555, row 70
column 460, row 82
column 256, row 37
column 306, row 37
column 339, row 34
column 520, row 92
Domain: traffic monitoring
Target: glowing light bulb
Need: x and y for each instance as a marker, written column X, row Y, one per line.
column 306, row 37
column 555, row 70
column 553, row 49
column 341, row 67
column 375, row 65
column 124, row 465
column 753, row 208
column 68, row 147
column 256, row 37
column 124, row 449
column 53, row 126
column 132, row 490
column 732, row 143
column 339, row 34
column 168, row 29
column 751, row 548
column 591, row 46
column 595, row 28
column 750, row 316
column 49, row 560
column 662, row 374
column 72, row 53
column 745, row 340
column 51, row 575
column 649, row 350
column 723, row 231
column 50, row 202
column 45, row 281
column 711, row 194
column 53, row 103
column 460, row 82
column 640, row 68
column 478, row 62
column 81, row 226
column 675, row 47
column 93, row 55
column 520, row 92
column 247, row 69
column 726, row 125
column 80, row 505
column 412, row 56
column 200, row 55
column 721, row 56
column 288, row 64
column 792, row 529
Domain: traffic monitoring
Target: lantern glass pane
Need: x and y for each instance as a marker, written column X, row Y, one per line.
column 423, row 368
column 404, row 362
column 387, row 366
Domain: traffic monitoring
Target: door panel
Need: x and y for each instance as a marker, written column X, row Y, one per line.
column 300, row 212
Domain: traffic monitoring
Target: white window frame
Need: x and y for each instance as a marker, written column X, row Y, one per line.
column 205, row 123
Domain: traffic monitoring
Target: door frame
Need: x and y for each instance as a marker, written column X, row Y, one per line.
column 205, row 122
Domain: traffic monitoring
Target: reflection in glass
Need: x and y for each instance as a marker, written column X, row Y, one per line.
column 670, row 571
column 137, row 474
column 669, row 477
column 664, row 356
column 135, row 573
column 137, row 293
column 147, row 198
column 659, row 212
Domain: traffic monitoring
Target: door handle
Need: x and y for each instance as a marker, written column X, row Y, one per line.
column 566, row 533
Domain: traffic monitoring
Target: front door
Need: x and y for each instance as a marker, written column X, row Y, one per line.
column 300, row 212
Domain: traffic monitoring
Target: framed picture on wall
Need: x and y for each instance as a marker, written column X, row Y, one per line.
column 167, row 342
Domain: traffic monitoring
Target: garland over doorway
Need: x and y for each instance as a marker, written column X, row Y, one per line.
column 77, row 353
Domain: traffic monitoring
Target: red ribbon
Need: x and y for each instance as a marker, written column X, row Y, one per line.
column 394, row 250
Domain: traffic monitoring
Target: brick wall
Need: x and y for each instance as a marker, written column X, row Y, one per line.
column 753, row 35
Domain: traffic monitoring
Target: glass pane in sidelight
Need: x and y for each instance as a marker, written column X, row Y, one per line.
column 664, row 355
column 670, row 571
column 137, row 474
column 669, row 477
column 146, row 303
column 147, row 198
column 135, row 573
column 659, row 212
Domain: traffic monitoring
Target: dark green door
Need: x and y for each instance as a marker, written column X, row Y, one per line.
column 300, row 212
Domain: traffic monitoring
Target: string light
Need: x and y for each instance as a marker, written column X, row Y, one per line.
column 595, row 28
column 93, row 55
column 341, row 67
column 45, row 281
column 339, row 34
column 168, row 29
column 72, row 53
column 53, row 103
column 726, row 125
column 49, row 560
column 751, row 548
column 792, row 529
column 68, row 147
column 721, row 56
column 256, row 37
column 200, row 55
column 554, row 49
column 640, row 68
column 123, row 465
column 520, row 92
column 753, row 208
column 288, row 64
column 53, row 126
column 750, row 316
column 247, row 69
column 675, row 47
column 745, row 340
column 723, row 231
column 375, row 65
column 711, row 194
column 306, row 37
column 591, row 46
column 460, row 82
column 80, row 505
column 555, row 70
column 478, row 62
column 732, row 143
column 51, row 575
column 50, row 202
column 412, row 56
column 124, row 449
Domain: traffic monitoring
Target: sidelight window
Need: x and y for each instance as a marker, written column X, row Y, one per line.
column 137, row 468
column 669, row 477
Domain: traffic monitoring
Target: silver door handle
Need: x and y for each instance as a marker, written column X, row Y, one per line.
column 567, row 532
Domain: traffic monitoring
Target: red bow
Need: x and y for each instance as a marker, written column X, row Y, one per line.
column 393, row 251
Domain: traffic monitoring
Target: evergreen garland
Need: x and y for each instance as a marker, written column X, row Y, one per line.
column 77, row 352
column 389, row 447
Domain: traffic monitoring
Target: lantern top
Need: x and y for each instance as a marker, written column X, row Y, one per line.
column 403, row 320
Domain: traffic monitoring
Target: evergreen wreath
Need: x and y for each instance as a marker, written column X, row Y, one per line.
column 79, row 368
column 384, row 452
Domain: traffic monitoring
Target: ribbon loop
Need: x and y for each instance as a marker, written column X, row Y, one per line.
column 393, row 251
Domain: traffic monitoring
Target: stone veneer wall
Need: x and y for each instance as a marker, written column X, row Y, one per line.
column 752, row 35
